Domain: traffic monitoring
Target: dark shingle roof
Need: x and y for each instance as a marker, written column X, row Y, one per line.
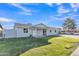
column 22, row 25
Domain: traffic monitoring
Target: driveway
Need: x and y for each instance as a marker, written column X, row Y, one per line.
column 73, row 36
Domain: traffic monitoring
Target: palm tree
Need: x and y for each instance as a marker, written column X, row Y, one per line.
column 69, row 25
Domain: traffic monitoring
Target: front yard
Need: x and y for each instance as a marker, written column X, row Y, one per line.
column 16, row 46
column 59, row 46
column 46, row 46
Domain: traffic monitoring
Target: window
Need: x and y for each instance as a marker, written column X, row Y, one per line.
column 55, row 30
column 50, row 31
column 25, row 30
column 44, row 31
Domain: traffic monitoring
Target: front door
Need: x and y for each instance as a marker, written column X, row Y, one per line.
column 44, row 31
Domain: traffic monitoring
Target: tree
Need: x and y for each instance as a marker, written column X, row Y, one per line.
column 69, row 24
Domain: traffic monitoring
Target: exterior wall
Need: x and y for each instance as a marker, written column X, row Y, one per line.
column 20, row 32
column 1, row 33
column 9, row 33
column 40, row 32
column 34, row 33
column 52, row 32
column 37, row 33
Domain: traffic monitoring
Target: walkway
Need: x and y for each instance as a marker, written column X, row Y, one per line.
column 76, row 52
column 73, row 36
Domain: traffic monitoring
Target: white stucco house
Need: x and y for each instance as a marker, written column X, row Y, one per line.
column 27, row 30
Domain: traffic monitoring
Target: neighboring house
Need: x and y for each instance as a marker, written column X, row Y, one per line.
column 1, row 31
column 77, row 30
column 27, row 30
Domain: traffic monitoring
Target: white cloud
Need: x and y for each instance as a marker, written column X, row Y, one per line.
column 58, row 15
column 25, row 11
column 2, row 19
column 75, row 6
column 21, row 7
column 59, row 3
column 49, row 4
column 56, row 18
column 51, row 19
column 61, row 10
column 7, row 23
column 73, row 15
column 75, row 9
column 62, row 18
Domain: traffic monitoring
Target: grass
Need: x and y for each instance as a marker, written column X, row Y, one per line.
column 46, row 46
column 16, row 46
column 59, row 46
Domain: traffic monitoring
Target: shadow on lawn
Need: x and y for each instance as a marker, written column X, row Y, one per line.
column 44, row 42
column 40, row 42
column 16, row 46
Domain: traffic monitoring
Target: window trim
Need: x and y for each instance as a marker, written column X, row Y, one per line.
column 25, row 30
column 55, row 31
column 50, row 31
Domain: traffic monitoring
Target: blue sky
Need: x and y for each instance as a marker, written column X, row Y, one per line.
column 51, row 14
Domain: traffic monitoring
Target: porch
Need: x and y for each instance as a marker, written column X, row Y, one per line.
column 39, row 32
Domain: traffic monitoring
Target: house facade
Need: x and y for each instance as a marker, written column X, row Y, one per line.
column 1, row 31
column 27, row 30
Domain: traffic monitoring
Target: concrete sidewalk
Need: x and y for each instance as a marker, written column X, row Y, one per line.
column 73, row 36
column 76, row 52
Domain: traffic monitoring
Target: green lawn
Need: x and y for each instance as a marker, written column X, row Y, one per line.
column 59, row 46
column 16, row 46
column 46, row 46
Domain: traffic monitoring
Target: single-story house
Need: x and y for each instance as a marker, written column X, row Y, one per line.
column 27, row 30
